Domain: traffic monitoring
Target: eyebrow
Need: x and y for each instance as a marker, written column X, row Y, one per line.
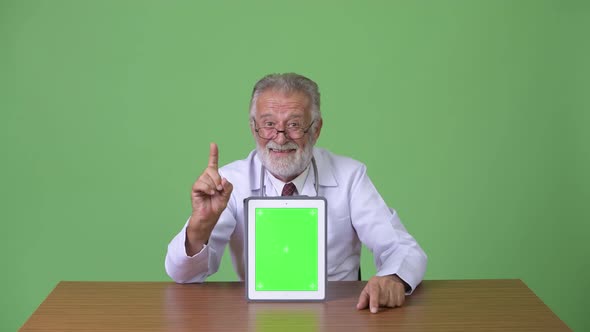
column 268, row 115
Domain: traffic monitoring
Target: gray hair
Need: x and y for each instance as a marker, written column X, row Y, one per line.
column 289, row 83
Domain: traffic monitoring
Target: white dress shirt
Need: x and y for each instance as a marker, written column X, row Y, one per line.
column 356, row 214
column 278, row 185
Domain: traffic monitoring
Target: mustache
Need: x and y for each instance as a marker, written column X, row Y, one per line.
column 286, row 146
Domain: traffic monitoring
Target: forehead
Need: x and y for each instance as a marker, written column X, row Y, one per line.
column 278, row 103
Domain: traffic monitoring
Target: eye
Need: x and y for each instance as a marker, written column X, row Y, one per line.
column 269, row 124
column 293, row 125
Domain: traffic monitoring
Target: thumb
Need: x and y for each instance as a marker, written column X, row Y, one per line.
column 227, row 187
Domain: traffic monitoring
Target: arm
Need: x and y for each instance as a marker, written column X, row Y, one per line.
column 188, row 256
column 183, row 268
column 400, row 261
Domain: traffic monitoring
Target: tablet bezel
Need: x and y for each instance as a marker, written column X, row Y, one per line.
column 250, row 205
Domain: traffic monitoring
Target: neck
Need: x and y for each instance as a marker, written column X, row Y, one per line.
column 285, row 179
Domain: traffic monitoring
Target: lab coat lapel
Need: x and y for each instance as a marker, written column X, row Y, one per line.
column 254, row 177
column 325, row 174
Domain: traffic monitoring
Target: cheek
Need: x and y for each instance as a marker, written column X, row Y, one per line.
column 259, row 141
column 301, row 145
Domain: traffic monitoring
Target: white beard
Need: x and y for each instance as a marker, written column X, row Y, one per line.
column 287, row 166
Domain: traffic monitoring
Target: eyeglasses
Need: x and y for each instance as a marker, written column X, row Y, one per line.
column 293, row 131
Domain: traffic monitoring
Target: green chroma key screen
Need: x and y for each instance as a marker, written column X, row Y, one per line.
column 286, row 249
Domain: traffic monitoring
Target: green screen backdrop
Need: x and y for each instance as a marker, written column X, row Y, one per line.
column 472, row 117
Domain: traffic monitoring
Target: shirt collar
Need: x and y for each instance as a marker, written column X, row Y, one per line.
column 299, row 181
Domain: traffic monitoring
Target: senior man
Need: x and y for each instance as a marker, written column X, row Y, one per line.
column 286, row 122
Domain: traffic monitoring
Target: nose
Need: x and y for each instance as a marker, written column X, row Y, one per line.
column 281, row 137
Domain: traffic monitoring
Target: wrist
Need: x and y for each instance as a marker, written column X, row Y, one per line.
column 194, row 242
column 196, row 234
column 198, row 229
column 396, row 278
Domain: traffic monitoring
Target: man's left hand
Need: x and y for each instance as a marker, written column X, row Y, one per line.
column 386, row 291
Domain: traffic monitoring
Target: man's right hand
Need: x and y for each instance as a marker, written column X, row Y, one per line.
column 209, row 197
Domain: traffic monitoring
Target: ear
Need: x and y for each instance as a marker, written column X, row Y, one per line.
column 316, row 134
column 252, row 128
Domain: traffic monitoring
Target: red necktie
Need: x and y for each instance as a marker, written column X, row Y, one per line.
column 289, row 189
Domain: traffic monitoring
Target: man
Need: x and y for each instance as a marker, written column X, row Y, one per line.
column 285, row 120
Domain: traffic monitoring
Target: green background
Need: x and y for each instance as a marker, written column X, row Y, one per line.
column 473, row 118
column 286, row 249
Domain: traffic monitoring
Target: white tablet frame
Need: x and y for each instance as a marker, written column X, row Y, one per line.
column 250, row 205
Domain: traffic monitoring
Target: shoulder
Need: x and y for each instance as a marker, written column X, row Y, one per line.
column 337, row 162
column 337, row 170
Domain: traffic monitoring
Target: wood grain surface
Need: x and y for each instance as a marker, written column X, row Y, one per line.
column 437, row 305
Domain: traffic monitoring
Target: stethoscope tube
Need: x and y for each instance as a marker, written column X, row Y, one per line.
column 315, row 172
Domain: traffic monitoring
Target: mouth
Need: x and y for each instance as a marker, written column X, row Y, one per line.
column 281, row 152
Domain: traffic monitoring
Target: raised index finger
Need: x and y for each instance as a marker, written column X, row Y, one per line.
column 213, row 156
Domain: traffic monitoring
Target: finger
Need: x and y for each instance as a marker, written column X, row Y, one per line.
column 204, row 187
column 227, row 187
column 363, row 301
column 392, row 297
column 215, row 178
column 401, row 298
column 397, row 294
column 374, row 298
column 213, row 156
column 212, row 180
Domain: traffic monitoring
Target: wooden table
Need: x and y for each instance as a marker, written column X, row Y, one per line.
column 437, row 305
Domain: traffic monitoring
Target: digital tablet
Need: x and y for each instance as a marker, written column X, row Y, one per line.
column 286, row 248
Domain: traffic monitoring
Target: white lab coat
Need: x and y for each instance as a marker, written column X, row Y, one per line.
column 356, row 214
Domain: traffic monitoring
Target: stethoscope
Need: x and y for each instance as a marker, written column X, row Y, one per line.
column 315, row 173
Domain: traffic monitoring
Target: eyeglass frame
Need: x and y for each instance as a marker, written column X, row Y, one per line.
column 277, row 132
